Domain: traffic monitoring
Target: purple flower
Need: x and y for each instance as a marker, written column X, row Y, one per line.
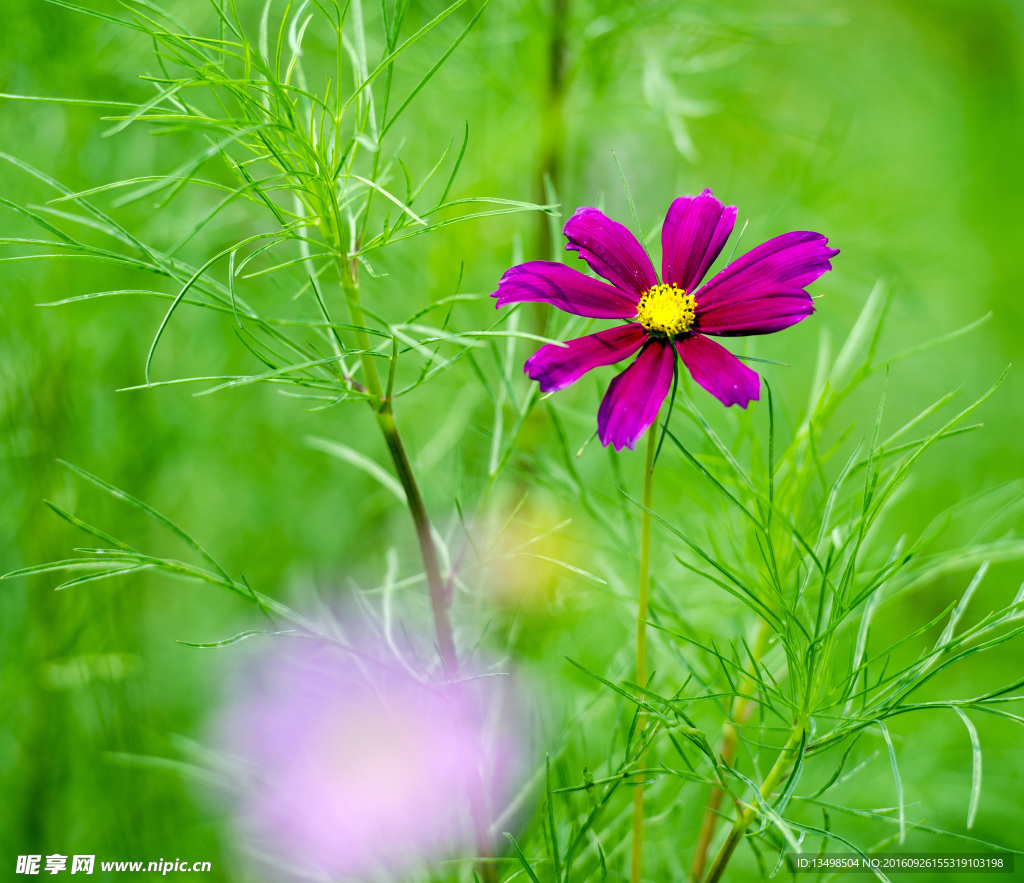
column 761, row 292
column 354, row 768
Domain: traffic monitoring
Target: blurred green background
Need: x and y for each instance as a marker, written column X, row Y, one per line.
column 895, row 127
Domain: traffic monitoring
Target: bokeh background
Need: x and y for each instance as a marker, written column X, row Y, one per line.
column 894, row 126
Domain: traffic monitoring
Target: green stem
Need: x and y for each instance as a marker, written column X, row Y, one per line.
column 435, row 584
column 741, row 709
column 381, row 402
column 350, row 287
column 636, row 863
column 747, row 815
column 382, row 407
column 552, row 123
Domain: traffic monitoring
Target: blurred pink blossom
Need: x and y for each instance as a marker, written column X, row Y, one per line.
column 353, row 767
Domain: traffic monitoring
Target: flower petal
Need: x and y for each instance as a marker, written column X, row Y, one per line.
column 565, row 288
column 633, row 398
column 773, row 269
column 771, row 309
column 695, row 231
column 611, row 250
column 719, row 371
column 555, row 367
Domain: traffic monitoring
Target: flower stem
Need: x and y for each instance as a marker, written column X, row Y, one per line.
column 435, row 584
column 746, row 815
column 382, row 407
column 381, row 403
column 636, row 863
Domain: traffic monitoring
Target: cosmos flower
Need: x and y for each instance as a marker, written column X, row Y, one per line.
column 354, row 769
column 761, row 292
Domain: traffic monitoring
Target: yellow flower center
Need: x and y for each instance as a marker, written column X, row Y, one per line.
column 666, row 309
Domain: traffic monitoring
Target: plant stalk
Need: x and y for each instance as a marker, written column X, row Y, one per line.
column 746, row 816
column 381, row 403
column 552, row 122
column 636, row 861
column 741, row 710
column 350, row 288
column 435, row 584
column 382, row 407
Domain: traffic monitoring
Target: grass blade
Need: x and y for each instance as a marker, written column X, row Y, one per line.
column 972, row 808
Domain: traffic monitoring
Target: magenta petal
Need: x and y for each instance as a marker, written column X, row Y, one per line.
column 565, row 288
column 555, row 367
column 611, row 250
column 695, row 231
column 719, row 371
column 793, row 260
column 771, row 309
column 633, row 398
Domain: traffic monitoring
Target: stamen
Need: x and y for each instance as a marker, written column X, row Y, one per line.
column 666, row 310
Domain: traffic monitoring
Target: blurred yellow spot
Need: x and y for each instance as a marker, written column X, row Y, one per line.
column 666, row 309
column 530, row 557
